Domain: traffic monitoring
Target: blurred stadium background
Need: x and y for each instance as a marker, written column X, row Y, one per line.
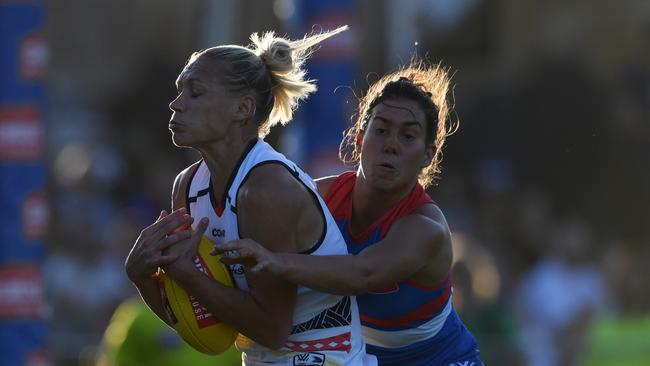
column 546, row 184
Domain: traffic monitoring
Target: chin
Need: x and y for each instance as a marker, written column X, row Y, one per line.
column 179, row 142
column 395, row 183
column 385, row 183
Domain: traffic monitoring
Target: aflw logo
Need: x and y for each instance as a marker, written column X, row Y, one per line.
column 309, row 359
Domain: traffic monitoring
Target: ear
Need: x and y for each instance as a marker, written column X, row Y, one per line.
column 429, row 152
column 245, row 108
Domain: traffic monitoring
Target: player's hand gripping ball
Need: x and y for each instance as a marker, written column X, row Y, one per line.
column 198, row 327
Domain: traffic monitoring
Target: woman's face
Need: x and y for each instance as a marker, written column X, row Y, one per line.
column 204, row 110
column 393, row 149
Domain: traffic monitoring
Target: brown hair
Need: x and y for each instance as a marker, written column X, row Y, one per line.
column 429, row 86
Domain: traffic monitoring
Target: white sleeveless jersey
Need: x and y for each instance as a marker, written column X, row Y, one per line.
column 326, row 328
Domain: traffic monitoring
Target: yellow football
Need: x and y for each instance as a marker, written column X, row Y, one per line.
column 193, row 322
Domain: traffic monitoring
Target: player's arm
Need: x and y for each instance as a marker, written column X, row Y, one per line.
column 148, row 253
column 414, row 244
column 270, row 206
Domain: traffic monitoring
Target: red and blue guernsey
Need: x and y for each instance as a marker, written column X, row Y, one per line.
column 407, row 323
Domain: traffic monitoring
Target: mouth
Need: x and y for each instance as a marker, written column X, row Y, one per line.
column 174, row 126
column 386, row 166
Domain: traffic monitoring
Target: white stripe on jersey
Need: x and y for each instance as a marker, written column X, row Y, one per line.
column 401, row 338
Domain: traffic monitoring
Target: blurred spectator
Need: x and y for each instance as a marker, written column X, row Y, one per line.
column 560, row 295
column 84, row 286
column 622, row 337
column 84, row 273
column 478, row 296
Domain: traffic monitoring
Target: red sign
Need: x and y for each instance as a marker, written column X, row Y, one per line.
column 21, row 292
column 21, row 133
column 35, row 214
column 38, row 358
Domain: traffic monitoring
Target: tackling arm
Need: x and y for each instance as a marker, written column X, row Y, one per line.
column 414, row 244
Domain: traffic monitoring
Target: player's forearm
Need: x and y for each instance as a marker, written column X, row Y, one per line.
column 150, row 293
column 336, row 274
column 238, row 309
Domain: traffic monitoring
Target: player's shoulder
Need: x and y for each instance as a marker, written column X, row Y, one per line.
column 272, row 185
column 426, row 219
column 187, row 173
column 181, row 184
column 430, row 210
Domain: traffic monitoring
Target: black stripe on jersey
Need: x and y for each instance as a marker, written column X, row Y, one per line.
column 189, row 184
column 314, row 195
column 209, row 189
column 213, row 200
column 200, row 193
column 203, row 192
column 338, row 315
column 234, row 173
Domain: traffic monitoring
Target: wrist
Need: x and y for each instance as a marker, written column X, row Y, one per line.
column 140, row 278
column 180, row 271
column 281, row 268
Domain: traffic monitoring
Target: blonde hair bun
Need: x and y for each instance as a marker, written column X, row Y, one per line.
column 284, row 59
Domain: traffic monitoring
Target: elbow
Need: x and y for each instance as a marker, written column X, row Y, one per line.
column 365, row 280
column 273, row 340
column 274, row 336
column 371, row 276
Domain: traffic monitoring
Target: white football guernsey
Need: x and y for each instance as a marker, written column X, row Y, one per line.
column 326, row 329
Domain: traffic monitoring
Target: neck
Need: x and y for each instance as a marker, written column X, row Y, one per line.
column 370, row 203
column 221, row 159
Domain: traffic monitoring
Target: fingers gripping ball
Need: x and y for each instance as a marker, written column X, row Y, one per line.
column 198, row 327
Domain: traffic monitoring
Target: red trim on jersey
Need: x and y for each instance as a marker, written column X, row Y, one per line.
column 218, row 209
column 426, row 311
column 435, row 286
column 385, row 290
column 339, row 342
column 339, row 195
column 339, row 202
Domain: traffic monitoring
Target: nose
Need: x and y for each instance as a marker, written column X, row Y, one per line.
column 176, row 105
column 391, row 144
